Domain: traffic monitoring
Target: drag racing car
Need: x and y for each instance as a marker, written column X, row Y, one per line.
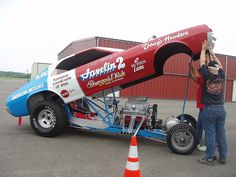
column 74, row 91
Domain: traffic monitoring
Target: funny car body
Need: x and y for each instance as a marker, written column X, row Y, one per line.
column 73, row 91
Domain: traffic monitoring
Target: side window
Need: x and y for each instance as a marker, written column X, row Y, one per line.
column 57, row 71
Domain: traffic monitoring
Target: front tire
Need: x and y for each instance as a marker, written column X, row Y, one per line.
column 48, row 118
column 188, row 119
column 182, row 139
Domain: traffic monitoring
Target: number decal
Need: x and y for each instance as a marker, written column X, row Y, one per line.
column 121, row 64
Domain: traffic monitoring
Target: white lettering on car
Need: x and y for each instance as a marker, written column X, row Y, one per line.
column 106, row 68
column 138, row 64
column 165, row 39
column 31, row 89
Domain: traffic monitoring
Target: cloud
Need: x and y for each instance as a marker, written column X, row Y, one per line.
column 36, row 31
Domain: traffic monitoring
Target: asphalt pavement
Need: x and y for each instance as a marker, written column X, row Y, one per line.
column 81, row 153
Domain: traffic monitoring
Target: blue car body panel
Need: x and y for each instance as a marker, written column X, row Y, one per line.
column 17, row 102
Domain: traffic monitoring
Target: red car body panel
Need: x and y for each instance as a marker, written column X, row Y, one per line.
column 141, row 62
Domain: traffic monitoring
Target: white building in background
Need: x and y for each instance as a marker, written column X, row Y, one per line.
column 234, row 91
column 38, row 68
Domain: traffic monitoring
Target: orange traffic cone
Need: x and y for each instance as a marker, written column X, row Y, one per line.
column 132, row 165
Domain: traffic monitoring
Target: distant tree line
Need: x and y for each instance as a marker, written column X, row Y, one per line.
column 12, row 74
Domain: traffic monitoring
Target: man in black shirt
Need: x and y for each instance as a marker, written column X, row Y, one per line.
column 214, row 114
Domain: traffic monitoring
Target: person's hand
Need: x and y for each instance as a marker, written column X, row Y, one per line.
column 204, row 45
column 210, row 50
column 212, row 54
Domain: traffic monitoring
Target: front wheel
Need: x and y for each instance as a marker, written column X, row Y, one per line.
column 188, row 119
column 48, row 118
column 182, row 139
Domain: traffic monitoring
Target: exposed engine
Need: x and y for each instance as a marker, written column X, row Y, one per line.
column 138, row 113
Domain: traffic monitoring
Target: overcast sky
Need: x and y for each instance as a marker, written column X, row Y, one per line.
column 37, row 30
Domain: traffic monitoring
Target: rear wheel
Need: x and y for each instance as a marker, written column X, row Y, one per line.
column 48, row 118
column 182, row 139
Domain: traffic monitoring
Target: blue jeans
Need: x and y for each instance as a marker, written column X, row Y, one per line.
column 199, row 126
column 214, row 125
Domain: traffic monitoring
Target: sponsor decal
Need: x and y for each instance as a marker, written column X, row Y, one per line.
column 31, row 89
column 43, row 74
column 113, row 77
column 138, row 64
column 61, row 81
column 18, row 95
column 36, row 87
column 71, row 90
column 165, row 39
column 105, row 69
column 65, row 93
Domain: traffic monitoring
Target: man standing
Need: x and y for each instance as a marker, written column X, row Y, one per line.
column 214, row 114
column 197, row 77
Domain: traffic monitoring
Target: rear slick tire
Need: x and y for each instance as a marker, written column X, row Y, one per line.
column 48, row 118
column 182, row 139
